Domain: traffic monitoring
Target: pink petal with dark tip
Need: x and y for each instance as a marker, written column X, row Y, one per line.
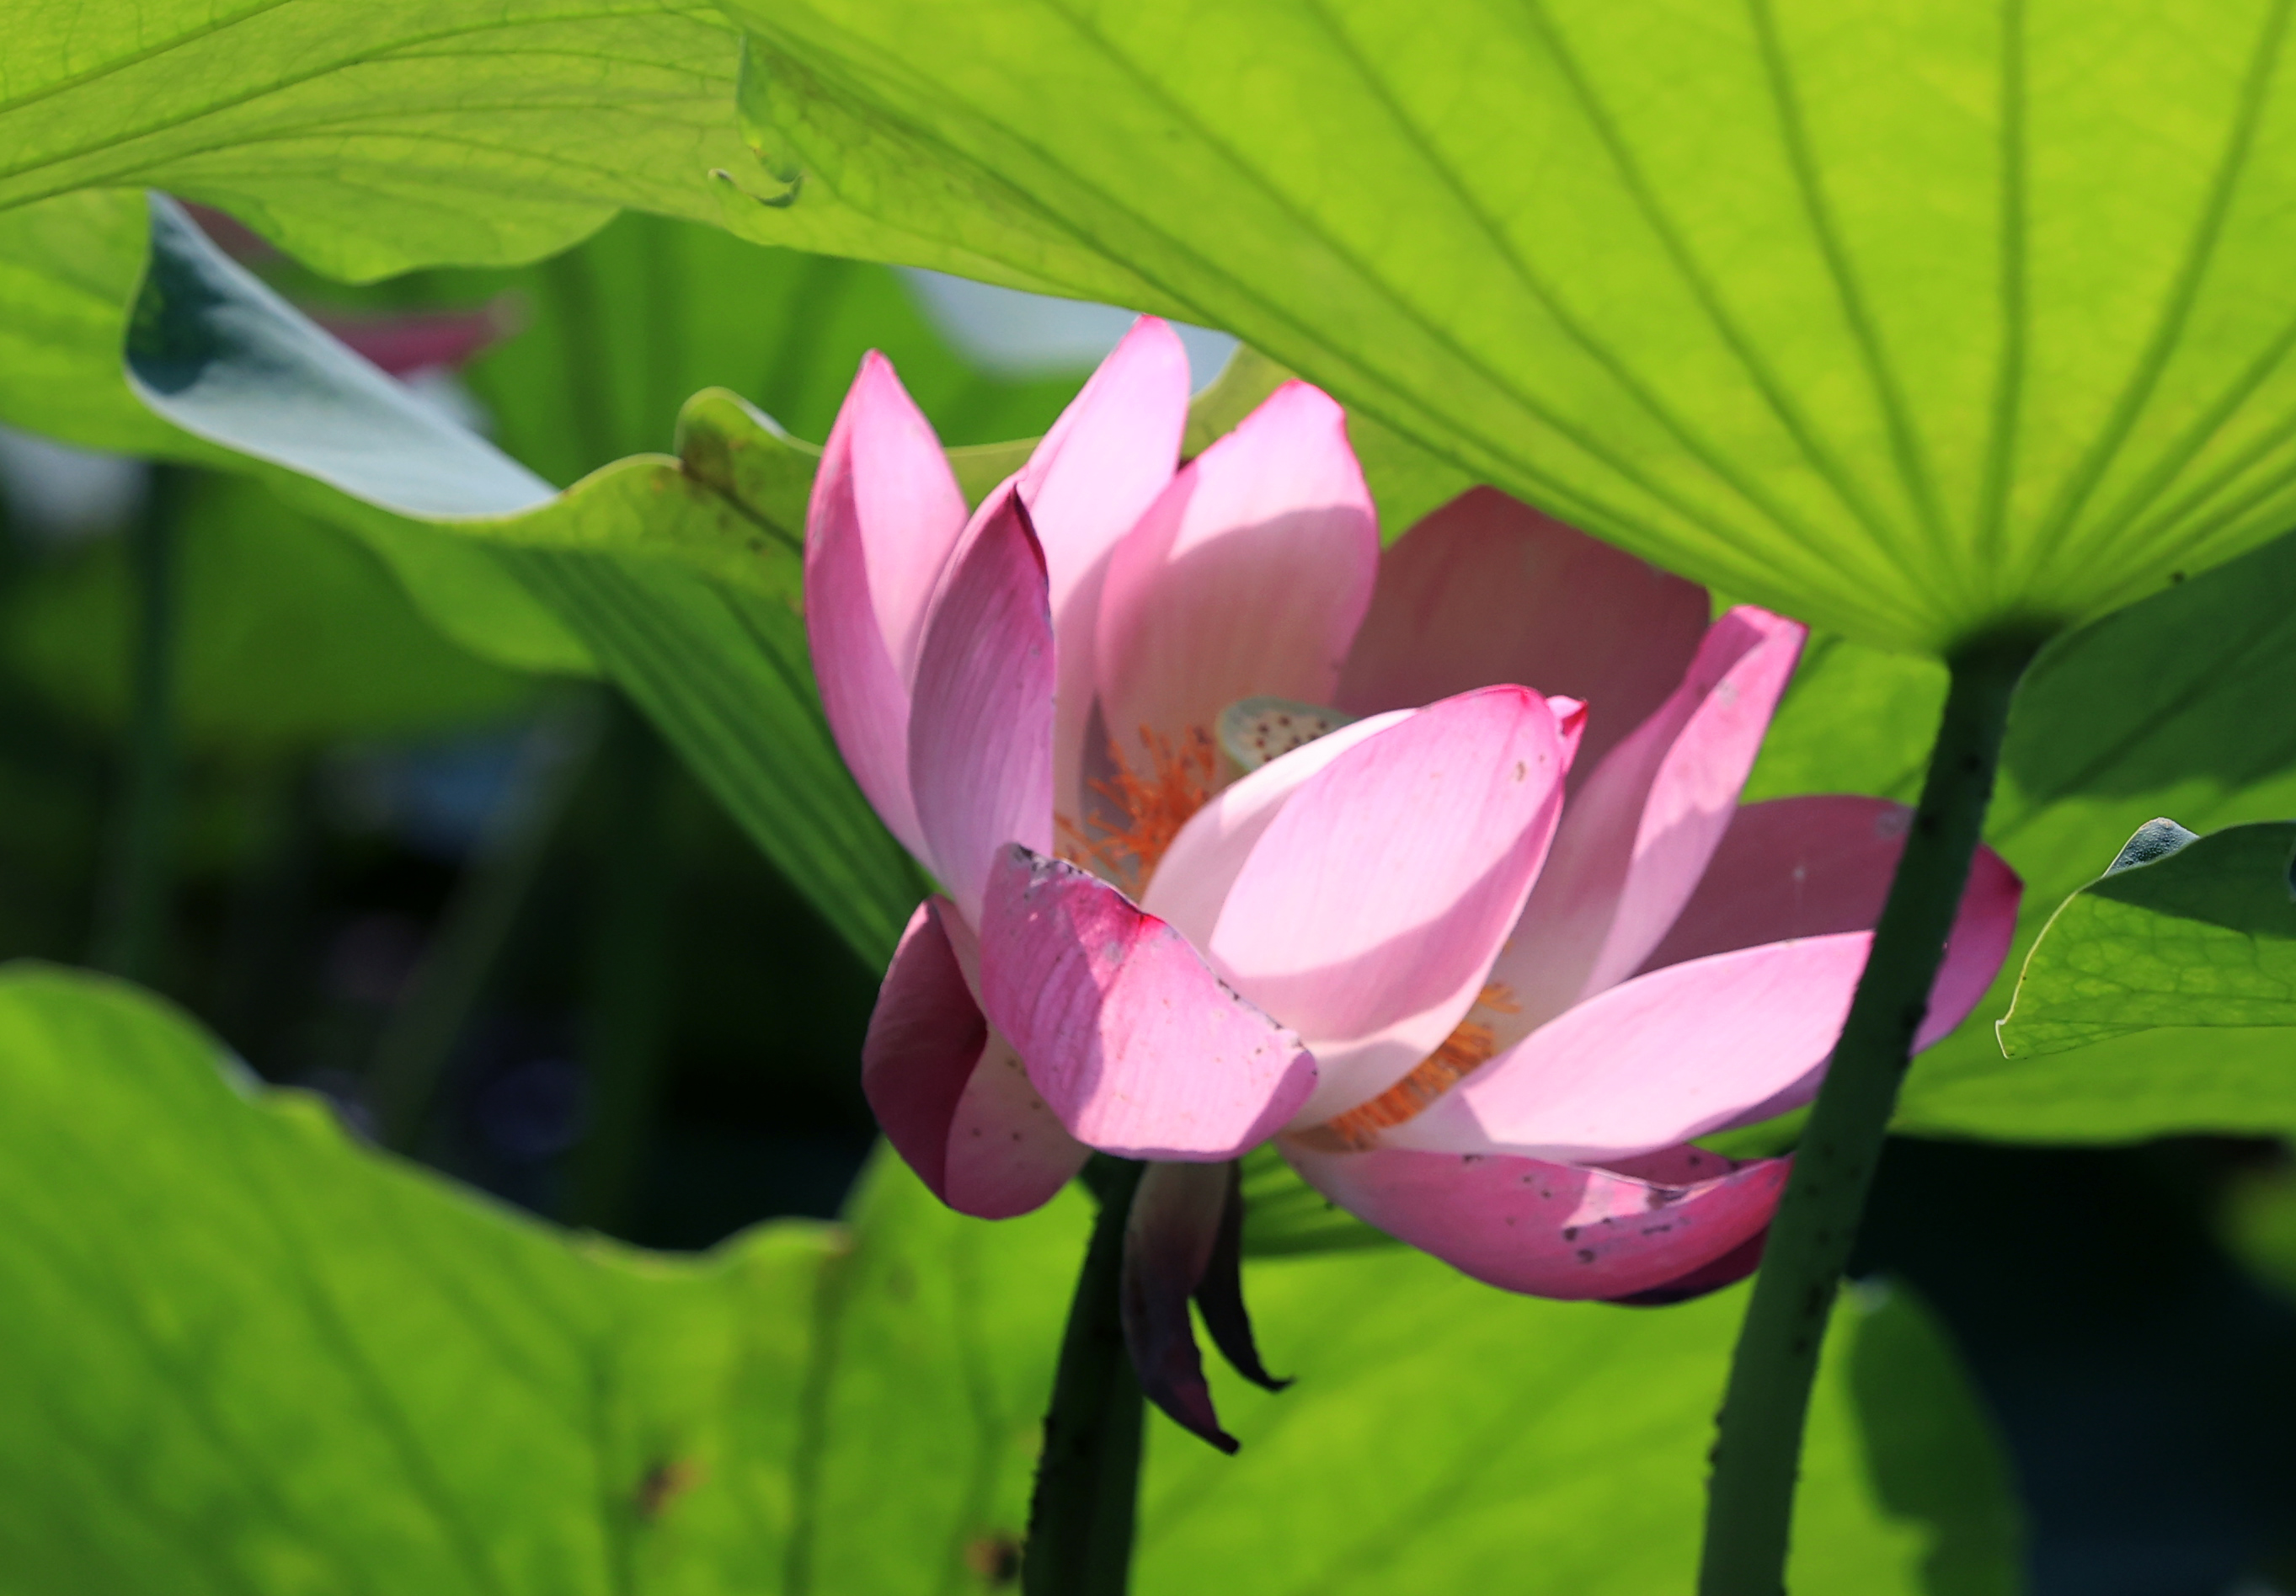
column 1168, row 1237
column 1727, row 1269
column 1546, row 1229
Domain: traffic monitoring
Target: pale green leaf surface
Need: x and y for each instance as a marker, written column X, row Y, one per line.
column 368, row 139
column 2201, row 941
column 1908, row 323
column 248, row 1356
column 69, row 270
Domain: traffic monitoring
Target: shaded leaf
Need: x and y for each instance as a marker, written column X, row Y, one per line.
column 2198, row 938
column 1284, row 1216
column 1438, row 1434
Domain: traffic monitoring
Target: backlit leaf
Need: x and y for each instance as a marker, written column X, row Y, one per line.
column 1910, row 322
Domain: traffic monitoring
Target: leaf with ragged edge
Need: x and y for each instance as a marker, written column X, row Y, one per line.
column 2176, row 706
column 1912, row 323
column 2200, row 940
column 249, row 1357
column 370, row 139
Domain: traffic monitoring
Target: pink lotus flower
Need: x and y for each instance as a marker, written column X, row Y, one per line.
column 971, row 669
column 1482, row 962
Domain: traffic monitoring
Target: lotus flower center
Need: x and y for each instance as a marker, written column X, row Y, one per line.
column 1467, row 1049
column 1252, row 732
column 1153, row 793
column 1152, row 798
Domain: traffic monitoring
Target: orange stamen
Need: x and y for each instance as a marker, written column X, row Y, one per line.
column 1155, row 806
column 1467, row 1049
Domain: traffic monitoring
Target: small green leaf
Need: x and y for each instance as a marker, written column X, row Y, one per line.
column 2197, row 935
column 2175, row 706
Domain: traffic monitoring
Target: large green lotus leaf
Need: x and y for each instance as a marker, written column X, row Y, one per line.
column 2196, row 935
column 248, row 1356
column 289, row 633
column 1909, row 321
column 367, row 139
column 2176, row 706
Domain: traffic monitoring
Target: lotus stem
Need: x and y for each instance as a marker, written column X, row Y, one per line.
column 625, row 1017
column 419, row 1041
column 1750, row 1500
column 131, row 919
column 1088, row 1477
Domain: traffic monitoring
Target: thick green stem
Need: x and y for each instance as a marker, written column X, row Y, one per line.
column 1080, row 1518
column 131, row 921
column 1749, row 1503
